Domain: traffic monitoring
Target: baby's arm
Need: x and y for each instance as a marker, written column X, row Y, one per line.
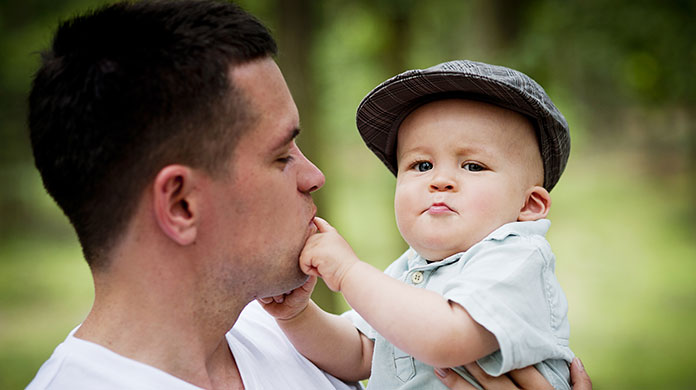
column 329, row 341
column 422, row 323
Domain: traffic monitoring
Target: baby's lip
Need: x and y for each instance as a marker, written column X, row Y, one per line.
column 439, row 208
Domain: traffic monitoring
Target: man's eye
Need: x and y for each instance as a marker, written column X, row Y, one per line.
column 473, row 167
column 424, row 166
column 285, row 160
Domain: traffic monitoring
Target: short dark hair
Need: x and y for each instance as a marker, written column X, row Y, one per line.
column 125, row 90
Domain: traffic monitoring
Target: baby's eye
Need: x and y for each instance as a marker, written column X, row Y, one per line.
column 424, row 166
column 473, row 167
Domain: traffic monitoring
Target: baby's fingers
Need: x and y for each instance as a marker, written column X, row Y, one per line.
column 277, row 299
column 322, row 225
column 309, row 255
column 308, row 268
column 308, row 287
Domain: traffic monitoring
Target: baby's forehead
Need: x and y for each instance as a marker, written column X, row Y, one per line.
column 489, row 120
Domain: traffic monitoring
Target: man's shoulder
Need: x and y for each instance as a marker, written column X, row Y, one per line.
column 80, row 364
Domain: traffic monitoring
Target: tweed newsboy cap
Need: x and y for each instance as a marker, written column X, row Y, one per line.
column 383, row 109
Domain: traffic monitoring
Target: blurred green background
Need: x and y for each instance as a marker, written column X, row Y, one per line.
column 623, row 213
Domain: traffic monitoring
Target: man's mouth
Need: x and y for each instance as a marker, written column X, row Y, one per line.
column 312, row 227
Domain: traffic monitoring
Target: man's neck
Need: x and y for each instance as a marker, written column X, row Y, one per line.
column 169, row 327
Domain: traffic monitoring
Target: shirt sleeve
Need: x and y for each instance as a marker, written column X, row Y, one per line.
column 360, row 324
column 511, row 290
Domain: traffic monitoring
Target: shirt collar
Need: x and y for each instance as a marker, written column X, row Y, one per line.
column 526, row 228
column 415, row 260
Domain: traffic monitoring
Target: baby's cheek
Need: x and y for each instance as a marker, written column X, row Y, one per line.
column 488, row 214
column 404, row 208
column 405, row 226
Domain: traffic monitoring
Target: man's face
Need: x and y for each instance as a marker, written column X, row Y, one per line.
column 464, row 169
column 262, row 211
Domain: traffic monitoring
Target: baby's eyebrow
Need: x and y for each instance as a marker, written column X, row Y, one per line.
column 474, row 149
column 414, row 150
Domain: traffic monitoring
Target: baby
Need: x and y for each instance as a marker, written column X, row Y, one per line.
column 475, row 148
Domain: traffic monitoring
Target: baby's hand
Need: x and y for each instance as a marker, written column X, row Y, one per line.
column 327, row 255
column 289, row 305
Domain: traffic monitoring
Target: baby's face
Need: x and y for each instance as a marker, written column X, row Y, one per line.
column 465, row 168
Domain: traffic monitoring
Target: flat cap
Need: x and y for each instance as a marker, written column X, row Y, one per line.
column 381, row 112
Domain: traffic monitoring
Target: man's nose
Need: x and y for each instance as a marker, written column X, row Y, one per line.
column 309, row 177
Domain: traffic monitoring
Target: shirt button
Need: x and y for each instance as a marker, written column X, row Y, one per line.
column 417, row 277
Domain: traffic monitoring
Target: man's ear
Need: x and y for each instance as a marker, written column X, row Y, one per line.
column 536, row 205
column 174, row 204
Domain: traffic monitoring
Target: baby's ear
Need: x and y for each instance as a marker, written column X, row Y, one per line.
column 536, row 206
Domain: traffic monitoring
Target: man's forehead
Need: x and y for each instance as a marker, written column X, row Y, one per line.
column 276, row 122
column 260, row 80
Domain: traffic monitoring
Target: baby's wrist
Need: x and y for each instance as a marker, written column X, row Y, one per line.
column 347, row 274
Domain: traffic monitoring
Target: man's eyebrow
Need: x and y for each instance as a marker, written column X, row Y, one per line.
column 287, row 139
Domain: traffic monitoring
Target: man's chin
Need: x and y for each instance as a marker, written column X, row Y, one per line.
column 300, row 280
column 291, row 283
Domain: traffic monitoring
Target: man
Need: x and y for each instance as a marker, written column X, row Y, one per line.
column 165, row 132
